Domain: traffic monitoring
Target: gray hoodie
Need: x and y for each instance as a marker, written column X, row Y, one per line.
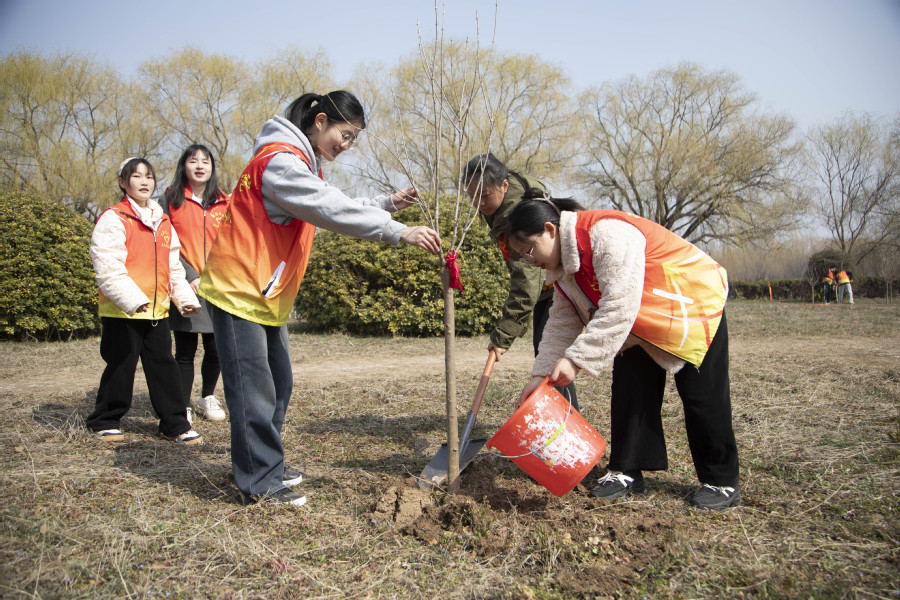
column 290, row 190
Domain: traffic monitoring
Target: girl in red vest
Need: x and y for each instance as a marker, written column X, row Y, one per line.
column 196, row 207
column 254, row 270
column 631, row 293
column 134, row 251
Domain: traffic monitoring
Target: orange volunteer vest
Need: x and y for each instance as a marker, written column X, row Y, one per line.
column 828, row 277
column 842, row 277
column 147, row 263
column 255, row 267
column 197, row 227
column 684, row 289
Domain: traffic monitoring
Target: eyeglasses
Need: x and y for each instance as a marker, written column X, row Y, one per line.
column 347, row 139
column 528, row 257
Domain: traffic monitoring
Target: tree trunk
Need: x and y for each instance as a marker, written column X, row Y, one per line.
column 450, row 378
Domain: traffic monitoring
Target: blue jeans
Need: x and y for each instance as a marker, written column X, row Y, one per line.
column 256, row 375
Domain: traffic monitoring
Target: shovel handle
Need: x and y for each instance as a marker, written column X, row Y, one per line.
column 485, row 378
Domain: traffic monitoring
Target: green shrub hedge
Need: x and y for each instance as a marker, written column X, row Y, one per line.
column 799, row 289
column 47, row 287
column 367, row 288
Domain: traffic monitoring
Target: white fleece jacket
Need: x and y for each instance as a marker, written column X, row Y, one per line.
column 591, row 336
column 108, row 255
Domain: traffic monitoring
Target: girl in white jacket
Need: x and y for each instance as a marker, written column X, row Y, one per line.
column 135, row 253
column 632, row 293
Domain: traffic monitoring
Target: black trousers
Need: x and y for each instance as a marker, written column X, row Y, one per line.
column 637, row 440
column 185, row 350
column 538, row 320
column 122, row 343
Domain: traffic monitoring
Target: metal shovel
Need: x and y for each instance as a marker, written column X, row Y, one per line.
column 435, row 473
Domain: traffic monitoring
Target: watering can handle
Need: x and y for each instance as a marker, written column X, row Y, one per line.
column 485, row 378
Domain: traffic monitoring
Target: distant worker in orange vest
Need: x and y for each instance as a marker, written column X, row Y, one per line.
column 827, row 284
column 844, row 281
column 632, row 293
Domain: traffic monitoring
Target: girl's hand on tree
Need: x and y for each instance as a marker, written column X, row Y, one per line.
column 405, row 198
column 423, row 237
column 529, row 389
column 563, row 372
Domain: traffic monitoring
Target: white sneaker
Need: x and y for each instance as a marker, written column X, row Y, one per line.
column 208, row 406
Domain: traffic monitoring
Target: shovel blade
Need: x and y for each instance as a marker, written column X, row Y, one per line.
column 435, row 472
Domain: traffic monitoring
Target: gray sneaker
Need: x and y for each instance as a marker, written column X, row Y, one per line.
column 615, row 485
column 284, row 497
column 711, row 497
column 292, row 477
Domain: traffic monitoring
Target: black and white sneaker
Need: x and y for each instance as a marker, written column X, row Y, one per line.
column 711, row 497
column 292, row 477
column 188, row 438
column 284, row 496
column 616, row 484
column 110, row 435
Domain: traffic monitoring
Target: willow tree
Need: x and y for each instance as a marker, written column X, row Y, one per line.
column 63, row 121
column 521, row 112
column 687, row 148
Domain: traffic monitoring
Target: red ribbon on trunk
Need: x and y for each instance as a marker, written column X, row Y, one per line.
column 453, row 268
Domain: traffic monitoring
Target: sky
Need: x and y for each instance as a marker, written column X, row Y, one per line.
column 811, row 59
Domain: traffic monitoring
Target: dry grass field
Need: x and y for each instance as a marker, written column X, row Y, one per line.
column 815, row 392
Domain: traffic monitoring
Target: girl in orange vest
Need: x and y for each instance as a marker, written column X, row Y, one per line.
column 631, row 293
column 254, row 270
column 196, row 207
column 134, row 251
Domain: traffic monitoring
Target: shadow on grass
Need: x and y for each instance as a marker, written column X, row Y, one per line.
column 191, row 468
column 202, row 470
column 406, row 432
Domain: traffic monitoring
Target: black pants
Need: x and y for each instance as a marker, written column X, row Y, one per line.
column 637, row 440
column 826, row 292
column 122, row 343
column 185, row 350
column 539, row 319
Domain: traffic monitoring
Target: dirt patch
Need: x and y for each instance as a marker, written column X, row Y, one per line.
column 498, row 509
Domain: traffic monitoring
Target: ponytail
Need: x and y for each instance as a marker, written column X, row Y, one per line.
column 339, row 106
column 527, row 219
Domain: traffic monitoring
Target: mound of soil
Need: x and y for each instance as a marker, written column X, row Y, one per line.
column 594, row 554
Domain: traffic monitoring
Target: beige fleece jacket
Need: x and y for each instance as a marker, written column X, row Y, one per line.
column 591, row 336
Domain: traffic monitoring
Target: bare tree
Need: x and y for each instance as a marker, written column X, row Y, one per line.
column 192, row 97
column 855, row 166
column 684, row 148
